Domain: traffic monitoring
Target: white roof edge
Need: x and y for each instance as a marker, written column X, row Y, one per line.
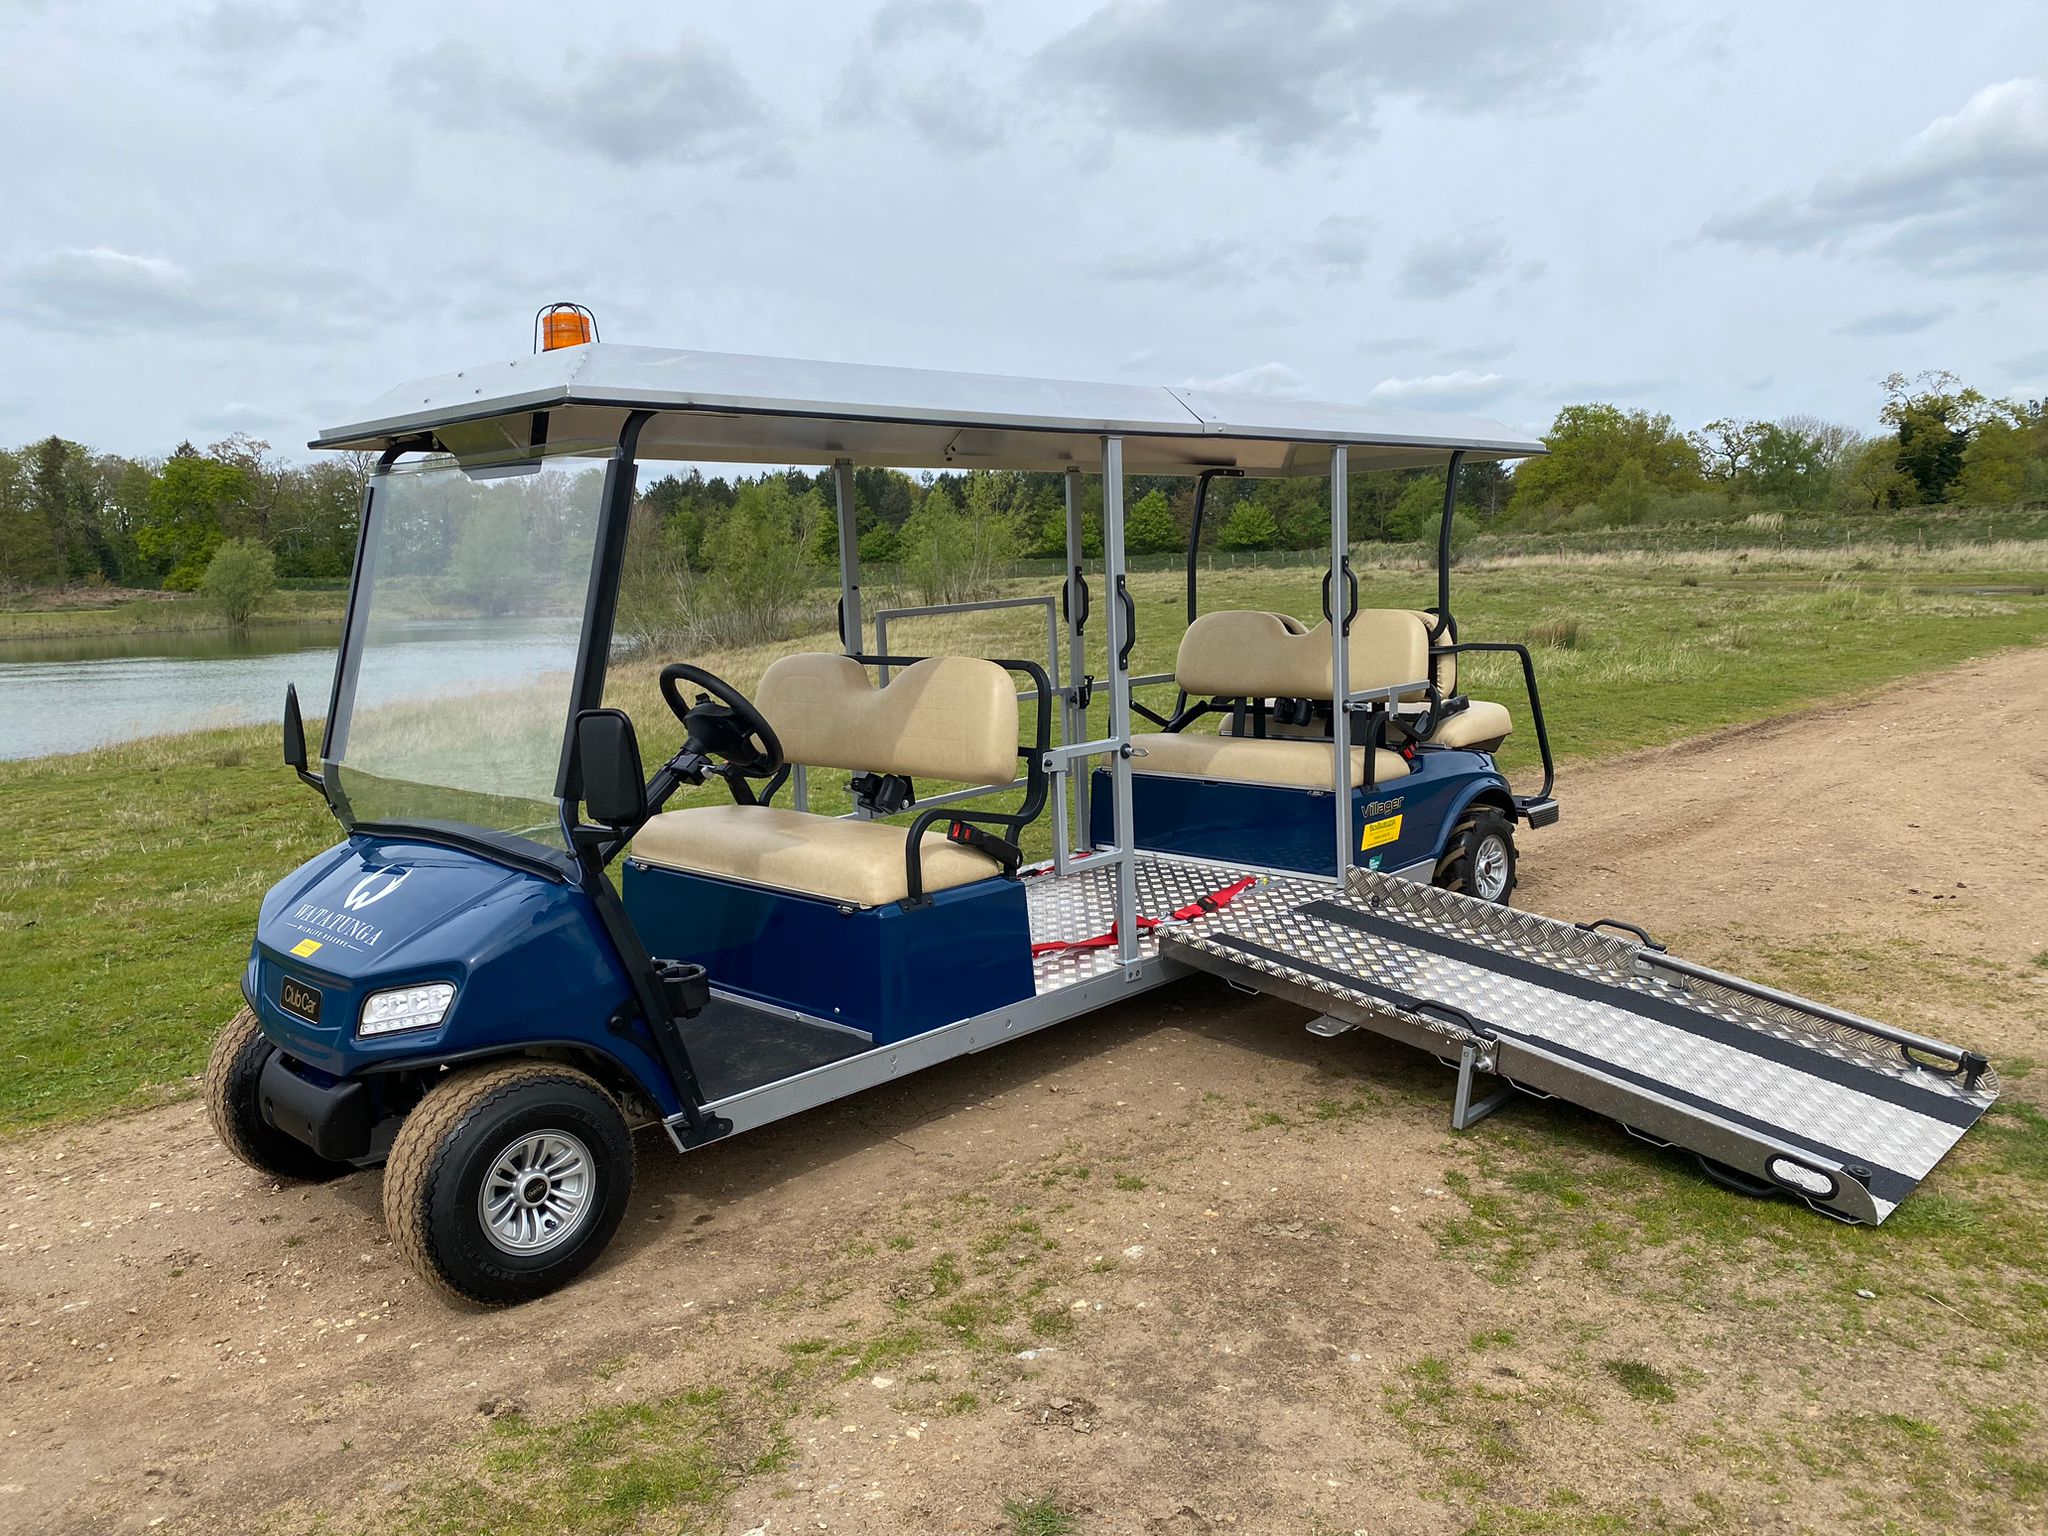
column 622, row 376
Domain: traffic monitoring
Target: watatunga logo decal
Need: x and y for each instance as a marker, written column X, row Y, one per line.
column 342, row 927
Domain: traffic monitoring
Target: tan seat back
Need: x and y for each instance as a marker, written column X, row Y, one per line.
column 946, row 717
column 1246, row 654
column 1446, row 666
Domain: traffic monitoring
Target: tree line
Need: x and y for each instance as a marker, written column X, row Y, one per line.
column 68, row 515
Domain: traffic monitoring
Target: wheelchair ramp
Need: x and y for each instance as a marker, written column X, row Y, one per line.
column 1770, row 1091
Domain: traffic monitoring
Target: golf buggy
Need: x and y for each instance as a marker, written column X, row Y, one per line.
column 460, row 991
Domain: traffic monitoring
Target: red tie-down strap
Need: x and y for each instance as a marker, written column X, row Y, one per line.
column 1201, row 906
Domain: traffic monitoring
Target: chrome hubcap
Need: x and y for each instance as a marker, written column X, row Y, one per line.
column 537, row 1193
column 1490, row 868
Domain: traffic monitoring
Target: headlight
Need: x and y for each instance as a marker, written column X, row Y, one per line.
column 402, row 1008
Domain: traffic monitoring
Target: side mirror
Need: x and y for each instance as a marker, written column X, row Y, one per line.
column 608, row 766
column 294, row 730
column 295, row 741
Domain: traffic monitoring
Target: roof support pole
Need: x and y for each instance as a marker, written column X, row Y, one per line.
column 1076, row 604
column 1340, row 650
column 1117, row 639
column 1443, row 548
column 852, row 635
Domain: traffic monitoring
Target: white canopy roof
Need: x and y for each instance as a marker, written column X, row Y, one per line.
column 720, row 406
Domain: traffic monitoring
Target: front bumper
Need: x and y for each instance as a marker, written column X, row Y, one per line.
column 334, row 1118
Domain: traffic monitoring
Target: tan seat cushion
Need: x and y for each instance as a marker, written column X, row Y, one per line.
column 1248, row 654
column 853, row 861
column 1251, row 760
column 946, row 717
column 1480, row 721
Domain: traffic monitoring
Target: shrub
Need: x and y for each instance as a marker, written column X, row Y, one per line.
column 241, row 574
column 1765, row 522
column 950, row 556
column 1560, row 632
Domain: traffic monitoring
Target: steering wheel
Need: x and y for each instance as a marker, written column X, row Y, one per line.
column 723, row 732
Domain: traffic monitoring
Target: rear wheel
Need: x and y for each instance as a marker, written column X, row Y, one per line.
column 506, row 1182
column 1479, row 857
column 233, row 1073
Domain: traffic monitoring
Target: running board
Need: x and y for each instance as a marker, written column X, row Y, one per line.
column 1767, row 1089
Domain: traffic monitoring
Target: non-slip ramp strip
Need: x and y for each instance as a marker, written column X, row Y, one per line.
column 1887, row 1184
column 1921, row 1099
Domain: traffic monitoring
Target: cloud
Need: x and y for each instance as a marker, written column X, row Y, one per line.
column 926, row 43
column 1968, row 193
column 1338, row 246
column 2028, row 365
column 1895, row 322
column 1462, row 389
column 240, row 416
column 901, row 19
column 1314, row 73
column 105, row 291
column 1274, row 379
column 630, row 106
column 1436, row 269
column 254, row 27
column 1198, row 264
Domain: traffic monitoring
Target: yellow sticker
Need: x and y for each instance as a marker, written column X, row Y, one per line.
column 305, row 947
column 1378, row 833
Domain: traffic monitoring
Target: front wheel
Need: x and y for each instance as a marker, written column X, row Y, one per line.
column 234, row 1075
column 1479, row 856
column 506, row 1182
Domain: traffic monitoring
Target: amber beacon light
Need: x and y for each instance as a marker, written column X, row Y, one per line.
column 563, row 325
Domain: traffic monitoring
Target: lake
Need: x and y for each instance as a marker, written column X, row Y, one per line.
column 73, row 693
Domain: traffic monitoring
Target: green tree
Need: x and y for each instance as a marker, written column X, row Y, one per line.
column 1249, row 526
column 760, row 578
column 878, row 543
column 28, row 545
column 189, row 507
column 1873, row 481
column 2007, row 460
column 950, row 556
column 1418, row 515
column 1589, row 447
column 1934, row 415
column 1627, row 499
column 241, row 574
column 491, row 565
column 1149, row 528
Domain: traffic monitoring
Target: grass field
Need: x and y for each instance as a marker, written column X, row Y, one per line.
column 130, row 877
column 54, row 616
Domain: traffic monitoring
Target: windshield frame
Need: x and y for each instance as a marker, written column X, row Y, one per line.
column 587, row 675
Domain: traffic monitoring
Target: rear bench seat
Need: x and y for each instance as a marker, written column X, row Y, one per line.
column 1481, row 724
column 947, row 717
column 1246, row 654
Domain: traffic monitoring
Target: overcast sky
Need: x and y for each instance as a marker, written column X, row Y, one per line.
column 254, row 215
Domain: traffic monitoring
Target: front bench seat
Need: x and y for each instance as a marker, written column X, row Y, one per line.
column 947, row 717
column 1251, row 654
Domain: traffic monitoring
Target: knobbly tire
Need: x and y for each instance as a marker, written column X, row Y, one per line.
column 1467, row 851
column 512, row 1126
column 233, row 1073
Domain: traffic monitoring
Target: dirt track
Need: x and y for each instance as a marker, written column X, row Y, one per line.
column 1237, row 1247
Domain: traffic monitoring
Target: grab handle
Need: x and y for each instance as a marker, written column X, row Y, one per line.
column 1351, row 595
column 1625, row 927
column 1130, row 607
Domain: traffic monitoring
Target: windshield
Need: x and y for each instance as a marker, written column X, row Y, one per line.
column 457, row 671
